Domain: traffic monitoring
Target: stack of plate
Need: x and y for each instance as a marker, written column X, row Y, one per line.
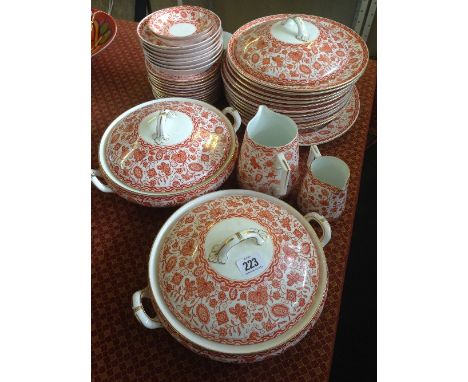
column 302, row 66
column 183, row 48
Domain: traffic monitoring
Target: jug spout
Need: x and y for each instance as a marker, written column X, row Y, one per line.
column 266, row 115
column 262, row 112
column 262, row 109
column 272, row 129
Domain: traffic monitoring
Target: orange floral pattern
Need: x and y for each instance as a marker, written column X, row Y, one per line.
column 260, row 296
column 238, row 308
column 161, row 21
column 316, row 196
column 255, row 170
column 337, row 56
column 240, row 312
column 150, row 168
column 204, row 288
column 171, row 200
column 335, row 128
column 241, row 359
column 309, row 360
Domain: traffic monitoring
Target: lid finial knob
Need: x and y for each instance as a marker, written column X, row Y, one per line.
column 302, row 33
column 160, row 135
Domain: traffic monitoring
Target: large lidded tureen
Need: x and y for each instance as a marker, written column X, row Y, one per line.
column 168, row 151
column 237, row 276
column 299, row 53
column 302, row 66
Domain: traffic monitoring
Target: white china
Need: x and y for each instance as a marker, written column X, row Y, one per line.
column 201, row 57
column 195, row 68
column 299, row 65
column 269, row 155
column 335, row 128
column 183, row 42
column 300, row 52
column 182, row 23
column 168, row 151
column 324, row 186
column 237, row 276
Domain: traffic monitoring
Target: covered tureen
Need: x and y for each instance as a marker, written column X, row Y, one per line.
column 167, row 151
column 237, row 276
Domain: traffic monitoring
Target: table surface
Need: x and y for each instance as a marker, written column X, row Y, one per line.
column 122, row 235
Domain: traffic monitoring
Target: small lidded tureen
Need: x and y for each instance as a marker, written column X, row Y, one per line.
column 167, row 151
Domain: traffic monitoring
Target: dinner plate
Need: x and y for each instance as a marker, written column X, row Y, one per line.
column 243, row 85
column 302, row 123
column 287, row 108
column 336, row 128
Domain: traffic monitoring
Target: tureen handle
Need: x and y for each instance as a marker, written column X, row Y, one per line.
column 326, row 229
column 302, row 33
column 235, row 114
column 284, row 173
column 219, row 252
column 95, row 180
column 139, row 312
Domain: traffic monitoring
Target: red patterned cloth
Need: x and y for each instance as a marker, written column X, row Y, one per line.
column 122, row 235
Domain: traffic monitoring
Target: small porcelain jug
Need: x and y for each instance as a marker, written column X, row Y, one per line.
column 269, row 155
column 325, row 185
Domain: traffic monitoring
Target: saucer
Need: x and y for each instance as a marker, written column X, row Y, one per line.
column 181, row 22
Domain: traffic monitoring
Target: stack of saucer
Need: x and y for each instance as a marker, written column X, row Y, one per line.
column 183, row 48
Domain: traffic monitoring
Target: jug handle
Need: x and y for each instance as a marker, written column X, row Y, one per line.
column 314, row 153
column 284, row 174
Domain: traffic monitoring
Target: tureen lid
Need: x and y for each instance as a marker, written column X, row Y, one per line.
column 239, row 269
column 298, row 51
column 168, row 145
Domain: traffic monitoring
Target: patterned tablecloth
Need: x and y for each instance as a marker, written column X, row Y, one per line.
column 122, row 235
